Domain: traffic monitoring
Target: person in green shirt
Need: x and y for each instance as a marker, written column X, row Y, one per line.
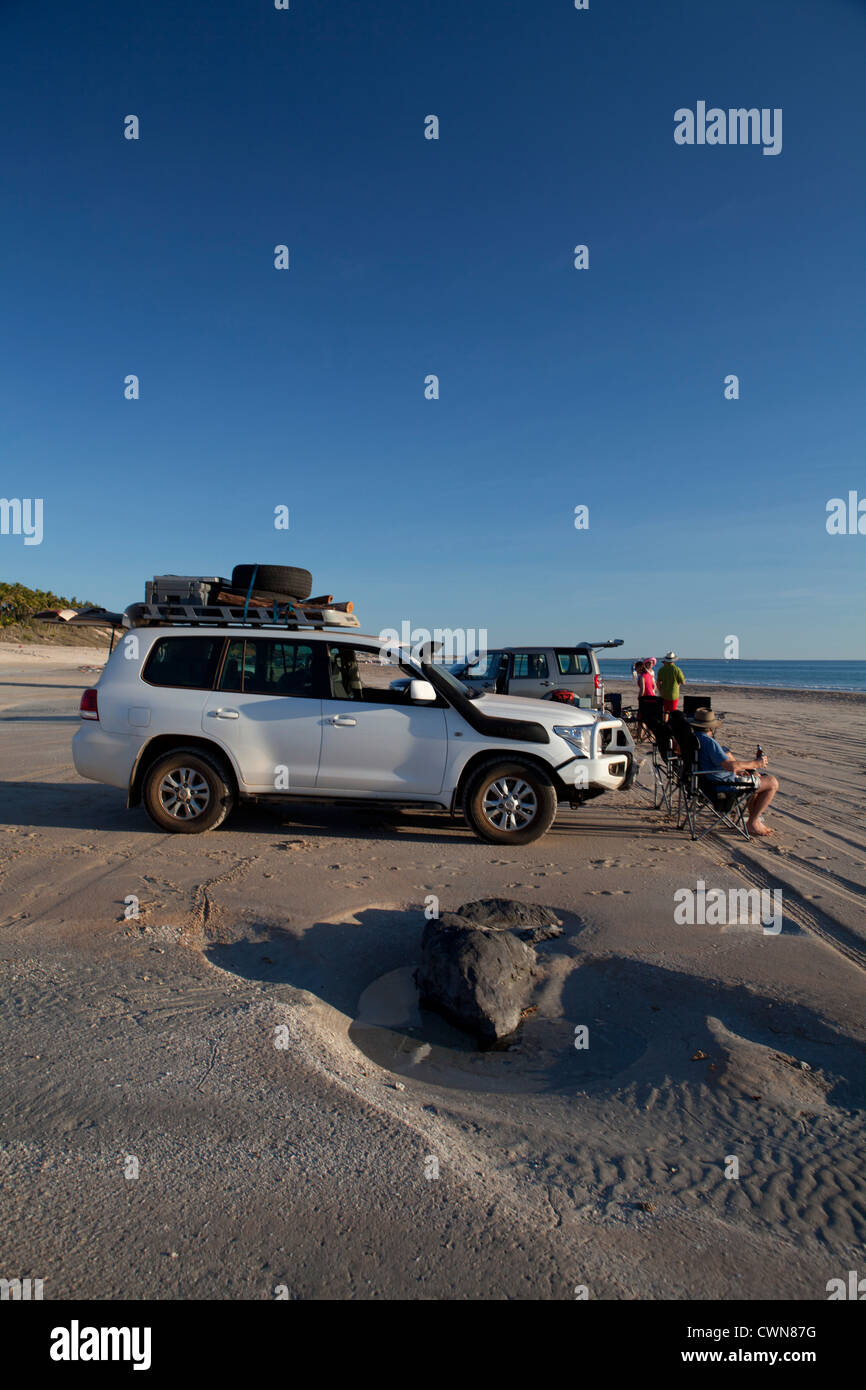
column 669, row 680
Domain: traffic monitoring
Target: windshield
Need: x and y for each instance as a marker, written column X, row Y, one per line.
column 449, row 680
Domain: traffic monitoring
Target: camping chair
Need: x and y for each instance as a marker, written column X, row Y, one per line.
column 724, row 802
column 650, row 710
column 665, row 760
column 692, row 703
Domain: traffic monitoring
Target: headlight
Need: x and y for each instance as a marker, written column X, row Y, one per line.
column 577, row 735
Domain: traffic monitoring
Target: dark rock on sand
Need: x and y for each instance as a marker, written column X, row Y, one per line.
column 529, row 921
column 477, row 977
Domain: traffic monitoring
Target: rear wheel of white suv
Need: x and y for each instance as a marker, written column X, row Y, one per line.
column 509, row 803
column 187, row 792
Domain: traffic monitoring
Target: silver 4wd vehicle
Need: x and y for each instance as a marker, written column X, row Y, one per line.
column 190, row 720
column 538, row 671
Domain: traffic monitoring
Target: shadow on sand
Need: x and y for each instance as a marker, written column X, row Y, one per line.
column 647, row 1024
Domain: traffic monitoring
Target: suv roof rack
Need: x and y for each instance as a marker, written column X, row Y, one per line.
column 286, row 614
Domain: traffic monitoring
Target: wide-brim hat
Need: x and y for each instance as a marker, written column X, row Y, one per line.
column 704, row 719
column 669, row 656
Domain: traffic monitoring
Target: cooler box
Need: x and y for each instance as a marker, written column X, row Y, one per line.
column 180, row 588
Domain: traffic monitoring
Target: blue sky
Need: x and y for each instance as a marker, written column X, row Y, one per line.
column 558, row 387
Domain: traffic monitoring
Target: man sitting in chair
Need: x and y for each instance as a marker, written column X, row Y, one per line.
column 717, row 762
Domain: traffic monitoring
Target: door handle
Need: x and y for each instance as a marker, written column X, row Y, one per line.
column 225, row 714
column 343, row 721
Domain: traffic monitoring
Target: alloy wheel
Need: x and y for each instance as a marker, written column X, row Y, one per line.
column 510, row 803
column 184, row 793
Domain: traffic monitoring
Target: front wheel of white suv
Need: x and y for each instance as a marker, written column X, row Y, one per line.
column 509, row 803
column 187, row 793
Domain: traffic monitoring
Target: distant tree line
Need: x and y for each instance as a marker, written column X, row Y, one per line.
column 18, row 603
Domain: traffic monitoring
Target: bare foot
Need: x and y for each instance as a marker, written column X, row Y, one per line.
column 759, row 828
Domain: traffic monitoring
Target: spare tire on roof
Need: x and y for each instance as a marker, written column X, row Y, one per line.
column 276, row 579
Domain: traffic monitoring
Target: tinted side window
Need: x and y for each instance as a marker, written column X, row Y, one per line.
column 352, row 679
column 529, row 664
column 274, row 667
column 346, row 683
column 232, row 674
column 187, row 663
column 574, row 663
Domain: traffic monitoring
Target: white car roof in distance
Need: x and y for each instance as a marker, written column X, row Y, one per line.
column 551, row 646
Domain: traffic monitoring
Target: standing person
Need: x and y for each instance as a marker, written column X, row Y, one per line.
column 646, row 686
column 646, row 681
column 670, row 678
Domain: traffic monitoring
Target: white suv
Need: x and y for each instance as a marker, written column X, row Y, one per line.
column 192, row 720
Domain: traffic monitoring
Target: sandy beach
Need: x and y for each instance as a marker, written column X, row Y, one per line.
column 252, row 1039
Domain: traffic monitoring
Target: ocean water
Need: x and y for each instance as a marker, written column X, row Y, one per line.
column 787, row 675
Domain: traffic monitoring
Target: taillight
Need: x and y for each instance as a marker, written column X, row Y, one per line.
column 89, row 709
column 597, row 682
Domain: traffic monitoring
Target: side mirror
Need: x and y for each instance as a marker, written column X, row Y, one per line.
column 421, row 691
